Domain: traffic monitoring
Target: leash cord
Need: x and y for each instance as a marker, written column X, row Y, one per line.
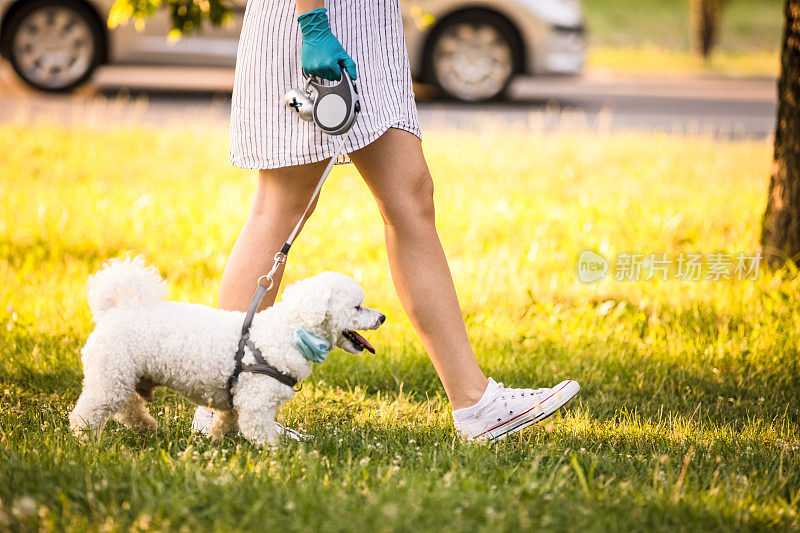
column 280, row 257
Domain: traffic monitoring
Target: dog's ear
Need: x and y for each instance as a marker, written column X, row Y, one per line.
column 314, row 308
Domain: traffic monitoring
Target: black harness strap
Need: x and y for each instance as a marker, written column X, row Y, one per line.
column 261, row 366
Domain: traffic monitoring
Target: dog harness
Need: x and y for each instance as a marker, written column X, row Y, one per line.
column 261, row 366
column 265, row 283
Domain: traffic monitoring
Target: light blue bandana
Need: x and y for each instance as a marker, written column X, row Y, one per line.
column 313, row 347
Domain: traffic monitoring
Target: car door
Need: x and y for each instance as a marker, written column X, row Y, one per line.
column 211, row 47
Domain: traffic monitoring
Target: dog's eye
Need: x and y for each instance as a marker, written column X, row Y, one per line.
column 358, row 308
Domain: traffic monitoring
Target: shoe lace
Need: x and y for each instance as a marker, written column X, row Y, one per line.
column 526, row 392
column 501, row 392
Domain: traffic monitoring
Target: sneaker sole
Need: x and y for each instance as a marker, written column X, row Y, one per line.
column 561, row 395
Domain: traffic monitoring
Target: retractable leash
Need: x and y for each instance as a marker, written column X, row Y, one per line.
column 333, row 109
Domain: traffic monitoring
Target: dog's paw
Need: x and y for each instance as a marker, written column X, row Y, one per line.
column 140, row 426
column 264, row 442
column 137, row 419
column 83, row 432
column 220, row 424
column 262, row 439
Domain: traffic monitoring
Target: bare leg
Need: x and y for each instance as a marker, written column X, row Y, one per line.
column 396, row 173
column 280, row 200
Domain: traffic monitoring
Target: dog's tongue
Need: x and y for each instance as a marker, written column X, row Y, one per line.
column 364, row 341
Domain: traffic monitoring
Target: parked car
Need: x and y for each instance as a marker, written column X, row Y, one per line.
column 470, row 49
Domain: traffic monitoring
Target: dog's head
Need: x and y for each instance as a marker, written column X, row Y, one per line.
column 330, row 304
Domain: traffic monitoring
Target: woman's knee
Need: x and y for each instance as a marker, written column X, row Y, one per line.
column 411, row 202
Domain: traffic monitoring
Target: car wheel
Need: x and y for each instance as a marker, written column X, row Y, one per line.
column 473, row 56
column 54, row 45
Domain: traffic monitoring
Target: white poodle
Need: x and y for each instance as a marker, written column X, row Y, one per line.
column 142, row 341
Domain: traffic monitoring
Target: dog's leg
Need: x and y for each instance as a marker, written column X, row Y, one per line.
column 101, row 397
column 257, row 424
column 135, row 415
column 222, row 423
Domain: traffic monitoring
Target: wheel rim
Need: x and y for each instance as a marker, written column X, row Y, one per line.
column 473, row 61
column 54, row 47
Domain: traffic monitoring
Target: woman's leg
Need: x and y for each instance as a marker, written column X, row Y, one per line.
column 395, row 171
column 281, row 198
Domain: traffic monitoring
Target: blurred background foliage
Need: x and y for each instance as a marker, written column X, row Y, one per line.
column 735, row 36
column 186, row 15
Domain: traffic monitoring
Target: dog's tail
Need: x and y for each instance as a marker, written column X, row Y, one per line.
column 126, row 283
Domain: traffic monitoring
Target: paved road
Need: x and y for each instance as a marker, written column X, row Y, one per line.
column 723, row 107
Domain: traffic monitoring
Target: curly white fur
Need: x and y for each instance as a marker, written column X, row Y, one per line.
column 142, row 341
column 125, row 284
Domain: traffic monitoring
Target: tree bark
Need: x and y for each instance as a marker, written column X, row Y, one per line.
column 705, row 17
column 780, row 234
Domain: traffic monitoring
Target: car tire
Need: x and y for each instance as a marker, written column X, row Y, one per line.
column 69, row 52
column 451, row 62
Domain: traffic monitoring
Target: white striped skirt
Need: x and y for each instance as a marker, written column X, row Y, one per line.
column 264, row 133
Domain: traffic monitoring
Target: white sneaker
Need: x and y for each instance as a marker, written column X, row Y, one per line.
column 503, row 411
column 202, row 422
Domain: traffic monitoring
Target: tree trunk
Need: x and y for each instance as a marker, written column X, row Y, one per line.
column 705, row 17
column 780, row 234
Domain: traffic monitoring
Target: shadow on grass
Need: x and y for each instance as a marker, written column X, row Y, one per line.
column 634, row 371
column 637, row 370
column 34, row 252
column 41, row 363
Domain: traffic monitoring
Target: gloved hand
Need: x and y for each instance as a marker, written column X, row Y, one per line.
column 322, row 53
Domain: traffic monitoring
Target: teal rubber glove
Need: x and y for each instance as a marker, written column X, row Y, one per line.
column 322, row 53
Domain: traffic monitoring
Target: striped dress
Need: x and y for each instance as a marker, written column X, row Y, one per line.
column 264, row 133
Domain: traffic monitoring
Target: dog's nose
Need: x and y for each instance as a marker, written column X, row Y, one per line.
column 381, row 319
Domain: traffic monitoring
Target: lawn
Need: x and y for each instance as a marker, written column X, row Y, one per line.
column 688, row 415
column 653, row 35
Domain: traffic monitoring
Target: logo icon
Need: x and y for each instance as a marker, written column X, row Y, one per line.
column 591, row 266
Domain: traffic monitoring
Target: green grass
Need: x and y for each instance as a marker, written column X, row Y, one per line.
column 654, row 35
column 688, row 416
column 747, row 25
column 651, row 60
